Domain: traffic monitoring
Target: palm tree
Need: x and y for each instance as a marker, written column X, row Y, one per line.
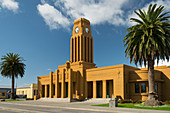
column 148, row 40
column 12, row 66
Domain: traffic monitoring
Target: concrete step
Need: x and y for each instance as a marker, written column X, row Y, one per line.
column 55, row 99
column 91, row 100
column 97, row 100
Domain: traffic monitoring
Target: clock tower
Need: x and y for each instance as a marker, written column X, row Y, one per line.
column 81, row 42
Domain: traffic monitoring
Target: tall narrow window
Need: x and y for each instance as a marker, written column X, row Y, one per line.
column 91, row 51
column 136, row 87
column 85, row 48
column 72, row 49
column 143, row 87
column 78, row 48
column 75, row 54
column 156, row 87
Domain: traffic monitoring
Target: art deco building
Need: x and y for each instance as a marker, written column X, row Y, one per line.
column 80, row 79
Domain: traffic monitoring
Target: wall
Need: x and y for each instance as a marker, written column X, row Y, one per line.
column 165, row 86
column 27, row 91
column 162, row 75
column 114, row 73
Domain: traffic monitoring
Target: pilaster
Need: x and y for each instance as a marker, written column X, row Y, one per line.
column 70, row 84
column 104, row 88
column 94, row 89
column 56, row 83
column 46, row 91
column 51, row 85
column 86, row 89
column 63, row 84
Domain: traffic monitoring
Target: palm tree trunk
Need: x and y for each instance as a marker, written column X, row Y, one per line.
column 12, row 90
column 151, row 78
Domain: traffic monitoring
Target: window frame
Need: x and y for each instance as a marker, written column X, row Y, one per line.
column 144, row 87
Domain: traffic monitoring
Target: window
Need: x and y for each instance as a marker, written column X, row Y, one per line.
column 107, row 87
column 3, row 94
column 136, row 87
column 34, row 92
column 25, row 92
column 143, row 87
column 156, row 87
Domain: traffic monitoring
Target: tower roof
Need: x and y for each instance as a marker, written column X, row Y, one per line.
column 82, row 20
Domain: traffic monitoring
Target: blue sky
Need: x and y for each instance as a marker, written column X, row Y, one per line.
column 40, row 31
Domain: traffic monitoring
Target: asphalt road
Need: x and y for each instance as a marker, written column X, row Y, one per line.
column 54, row 107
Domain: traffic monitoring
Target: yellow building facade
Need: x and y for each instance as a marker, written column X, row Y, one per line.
column 27, row 90
column 80, row 79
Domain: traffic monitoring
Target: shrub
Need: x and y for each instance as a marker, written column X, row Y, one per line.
column 29, row 99
column 140, row 101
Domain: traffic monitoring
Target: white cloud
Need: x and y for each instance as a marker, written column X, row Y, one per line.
column 10, row 5
column 160, row 63
column 52, row 16
column 165, row 3
column 69, row 10
column 60, row 13
column 97, row 12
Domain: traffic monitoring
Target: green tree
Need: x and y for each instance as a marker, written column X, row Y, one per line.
column 12, row 66
column 148, row 40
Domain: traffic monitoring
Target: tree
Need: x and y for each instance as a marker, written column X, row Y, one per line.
column 148, row 40
column 12, row 66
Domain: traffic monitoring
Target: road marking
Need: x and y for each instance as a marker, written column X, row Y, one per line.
column 20, row 110
column 84, row 109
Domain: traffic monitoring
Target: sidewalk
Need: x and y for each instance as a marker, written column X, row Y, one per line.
column 80, row 106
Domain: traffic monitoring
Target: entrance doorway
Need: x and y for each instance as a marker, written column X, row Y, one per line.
column 59, row 89
column 66, row 89
column 48, row 90
column 43, row 90
column 99, row 89
column 109, row 88
column 90, row 89
column 53, row 89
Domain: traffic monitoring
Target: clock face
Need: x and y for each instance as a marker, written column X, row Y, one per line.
column 77, row 30
column 87, row 30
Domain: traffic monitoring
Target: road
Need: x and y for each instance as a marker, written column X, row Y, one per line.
column 54, row 107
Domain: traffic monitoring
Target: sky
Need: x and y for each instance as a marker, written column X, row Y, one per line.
column 40, row 31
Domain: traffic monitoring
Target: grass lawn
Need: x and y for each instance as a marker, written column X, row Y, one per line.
column 13, row 100
column 139, row 106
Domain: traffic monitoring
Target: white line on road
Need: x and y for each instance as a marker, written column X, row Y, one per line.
column 84, row 109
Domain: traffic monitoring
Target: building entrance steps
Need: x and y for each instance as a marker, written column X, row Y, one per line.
column 97, row 100
column 55, row 99
column 89, row 100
